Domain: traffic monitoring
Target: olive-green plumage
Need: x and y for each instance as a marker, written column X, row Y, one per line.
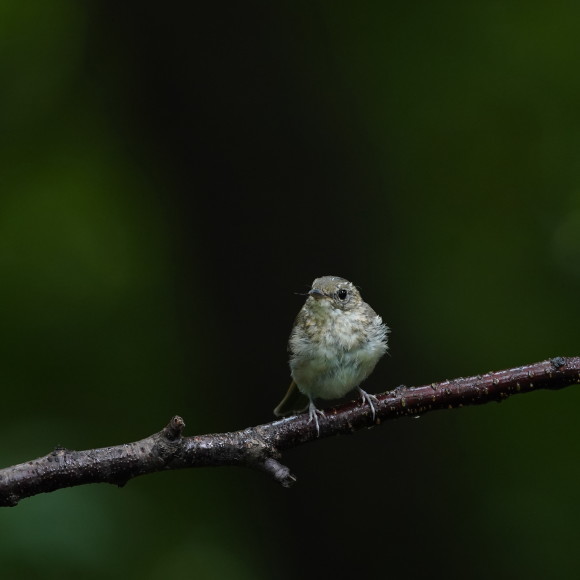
column 336, row 341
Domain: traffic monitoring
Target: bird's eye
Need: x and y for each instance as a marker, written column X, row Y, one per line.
column 342, row 293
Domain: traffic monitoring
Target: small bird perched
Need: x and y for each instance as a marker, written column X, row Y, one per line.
column 336, row 341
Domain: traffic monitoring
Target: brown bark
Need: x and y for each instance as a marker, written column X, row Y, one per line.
column 260, row 447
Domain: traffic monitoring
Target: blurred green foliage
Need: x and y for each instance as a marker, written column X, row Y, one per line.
column 171, row 176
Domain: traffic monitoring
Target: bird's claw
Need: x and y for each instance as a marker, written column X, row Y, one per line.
column 369, row 399
column 312, row 412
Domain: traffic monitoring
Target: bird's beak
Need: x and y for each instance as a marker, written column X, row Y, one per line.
column 316, row 293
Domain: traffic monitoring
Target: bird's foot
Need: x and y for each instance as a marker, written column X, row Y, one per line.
column 369, row 399
column 312, row 412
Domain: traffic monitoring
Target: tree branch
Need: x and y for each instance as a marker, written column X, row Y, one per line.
column 260, row 447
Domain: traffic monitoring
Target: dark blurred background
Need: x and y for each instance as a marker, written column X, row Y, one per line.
column 172, row 176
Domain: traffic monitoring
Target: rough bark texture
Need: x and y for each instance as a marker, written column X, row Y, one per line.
column 260, row 447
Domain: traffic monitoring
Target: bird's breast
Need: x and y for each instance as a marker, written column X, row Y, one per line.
column 333, row 354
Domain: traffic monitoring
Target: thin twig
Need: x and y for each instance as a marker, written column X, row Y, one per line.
column 260, row 447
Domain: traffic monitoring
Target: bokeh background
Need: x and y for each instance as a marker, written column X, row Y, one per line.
column 171, row 176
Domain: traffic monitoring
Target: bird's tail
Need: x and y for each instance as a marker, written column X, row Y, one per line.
column 294, row 402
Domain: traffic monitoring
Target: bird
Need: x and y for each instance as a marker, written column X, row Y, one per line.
column 336, row 341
